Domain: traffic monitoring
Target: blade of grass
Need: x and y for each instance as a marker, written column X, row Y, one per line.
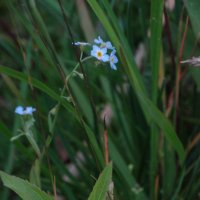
column 155, row 48
column 169, row 171
column 122, row 168
column 193, row 8
column 155, row 43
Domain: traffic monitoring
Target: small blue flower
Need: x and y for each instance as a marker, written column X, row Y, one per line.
column 100, row 53
column 103, row 51
column 24, row 111
column 98, row 40
column 81, row 43
column 113, row 60
column 29, row 110
column 103, row 44
column 19, row 110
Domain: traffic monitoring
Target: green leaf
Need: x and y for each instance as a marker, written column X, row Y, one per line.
column 101, row 186
column 193, row 8
column 94, row 144
column 155, row 45
column 35, row 173
column 170, row 171
column 195, row 73
column 163, row 123
column 155, row 41
column 24, row 189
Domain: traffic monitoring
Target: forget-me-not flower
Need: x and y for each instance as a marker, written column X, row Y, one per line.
column 113, row 60
column 103, row 51
column 81, row 43
column 100, row 53
column 103, row 44
column 24, row 111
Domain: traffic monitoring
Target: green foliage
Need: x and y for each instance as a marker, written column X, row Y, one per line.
column 148, row 107
column 193, row 11
column 35, row 174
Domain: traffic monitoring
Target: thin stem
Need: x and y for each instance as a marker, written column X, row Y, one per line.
column 106, row 146
column 82, row 69
column 178, row 75
column 76, row 67
column 50, row 137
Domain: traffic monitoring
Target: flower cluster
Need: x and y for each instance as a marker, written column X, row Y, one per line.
column 24, row 111
column 102, row 51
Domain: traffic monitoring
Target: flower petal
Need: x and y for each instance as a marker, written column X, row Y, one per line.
column 105, row 58
column 24, row 111
column 99, row 38
column 113, row 66
column 93, row 53
column 19, row 110
column 113, row 52
column 109, row 45
column 81, row 43
column 115, row 59
column 95, row 47
column 104, row 50
column 29, row 110
column 96, row 41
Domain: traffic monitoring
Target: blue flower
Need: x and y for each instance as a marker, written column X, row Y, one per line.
column 113, row 60
column 103, row 51
column 98, row 40
column 81, row 43
column 100, row 53
column 24, row 111
column 103, row 44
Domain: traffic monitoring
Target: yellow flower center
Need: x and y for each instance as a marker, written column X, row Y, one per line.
column 99, row 54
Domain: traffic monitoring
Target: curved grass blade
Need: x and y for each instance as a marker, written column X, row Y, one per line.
column 155, row 46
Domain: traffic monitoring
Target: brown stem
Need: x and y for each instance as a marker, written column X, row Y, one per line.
column 106, row 147
column 179, row 72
